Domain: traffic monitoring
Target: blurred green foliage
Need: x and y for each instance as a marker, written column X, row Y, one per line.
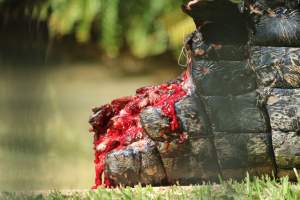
column 146, row 28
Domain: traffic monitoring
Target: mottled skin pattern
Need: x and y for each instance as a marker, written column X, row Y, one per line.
column 242, row 109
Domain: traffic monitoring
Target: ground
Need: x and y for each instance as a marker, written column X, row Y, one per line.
column 257, row 188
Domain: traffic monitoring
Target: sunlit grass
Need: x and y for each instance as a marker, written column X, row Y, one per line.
column 265, row 188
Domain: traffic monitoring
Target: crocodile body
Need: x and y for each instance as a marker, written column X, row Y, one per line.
column 241, row 109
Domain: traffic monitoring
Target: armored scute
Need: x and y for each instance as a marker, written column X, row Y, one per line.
column 236, row 109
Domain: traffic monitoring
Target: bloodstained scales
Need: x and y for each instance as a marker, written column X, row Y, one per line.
column 118, row 124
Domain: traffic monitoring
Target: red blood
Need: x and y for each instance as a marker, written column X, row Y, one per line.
column 117, row 124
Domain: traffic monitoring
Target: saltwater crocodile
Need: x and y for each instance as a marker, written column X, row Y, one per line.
column 236, row 108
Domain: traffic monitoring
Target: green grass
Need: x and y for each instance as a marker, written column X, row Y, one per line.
column 257, row 188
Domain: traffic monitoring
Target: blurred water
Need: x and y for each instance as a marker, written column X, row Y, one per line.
column 44, row 142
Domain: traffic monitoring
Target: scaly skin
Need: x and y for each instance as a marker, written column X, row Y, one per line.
column 236, row 109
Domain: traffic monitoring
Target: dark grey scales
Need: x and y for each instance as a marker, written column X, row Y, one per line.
column 243, row 113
